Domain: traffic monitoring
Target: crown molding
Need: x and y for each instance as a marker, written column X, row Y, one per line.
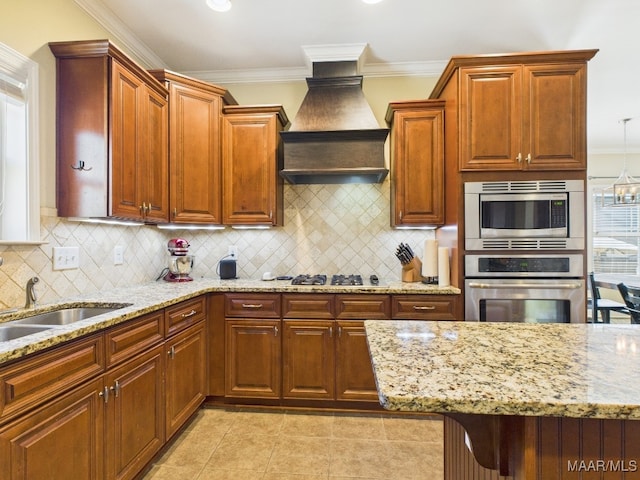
column 328, row 52
column 123, row 36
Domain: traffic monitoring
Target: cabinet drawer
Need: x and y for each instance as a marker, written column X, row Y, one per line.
column 366, row 307
column 130, row 338
column 308, row 306
column 36, row 380
column 252, row 305
column 424, row 307
column 184, row 314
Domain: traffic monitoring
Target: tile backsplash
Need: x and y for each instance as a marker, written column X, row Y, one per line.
column 327, row 229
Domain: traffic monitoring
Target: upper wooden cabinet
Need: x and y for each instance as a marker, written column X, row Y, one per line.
column 417, row 162
column 112, row 135
column 519, row 111
column 195, row 163
column 252, row 189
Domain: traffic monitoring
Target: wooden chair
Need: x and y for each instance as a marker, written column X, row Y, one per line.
column 603, row 305
column 631, row 297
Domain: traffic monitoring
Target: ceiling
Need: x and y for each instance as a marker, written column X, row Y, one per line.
column 263, row 40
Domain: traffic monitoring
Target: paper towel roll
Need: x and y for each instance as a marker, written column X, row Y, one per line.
column 430, row 258
column 443, row 267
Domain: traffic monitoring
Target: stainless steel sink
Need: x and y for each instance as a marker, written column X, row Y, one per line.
column 65, row 316
column 11, row 332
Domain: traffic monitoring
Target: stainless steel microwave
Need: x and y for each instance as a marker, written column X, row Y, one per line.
column 530, row 214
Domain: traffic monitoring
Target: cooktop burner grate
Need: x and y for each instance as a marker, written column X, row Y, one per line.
column 346, row 280
column 309, row 280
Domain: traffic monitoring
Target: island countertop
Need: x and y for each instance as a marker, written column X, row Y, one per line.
column 522, row 369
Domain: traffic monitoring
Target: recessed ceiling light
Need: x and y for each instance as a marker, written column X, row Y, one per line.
column 219, row 5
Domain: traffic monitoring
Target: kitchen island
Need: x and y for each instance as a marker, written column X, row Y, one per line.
column 537, row 401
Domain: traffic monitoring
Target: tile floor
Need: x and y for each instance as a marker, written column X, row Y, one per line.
column 273, row 445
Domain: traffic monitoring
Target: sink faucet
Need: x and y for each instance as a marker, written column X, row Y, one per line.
column 31, row 292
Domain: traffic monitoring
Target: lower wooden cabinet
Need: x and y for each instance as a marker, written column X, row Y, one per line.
column 308, row 361
column 354, row 373
column 134, row 403
column 185, row 375
column 60, row 441
column 253, row 360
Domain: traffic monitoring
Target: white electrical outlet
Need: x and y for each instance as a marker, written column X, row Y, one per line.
column 66, row 258
column 118, row 255
column 233, row 252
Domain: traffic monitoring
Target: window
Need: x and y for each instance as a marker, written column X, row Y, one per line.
column 615, row 237
column 19, row 185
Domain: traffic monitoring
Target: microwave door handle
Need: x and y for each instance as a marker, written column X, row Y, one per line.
column 564, row 286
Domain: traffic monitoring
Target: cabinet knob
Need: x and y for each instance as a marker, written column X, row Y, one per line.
column 528, row 158
column 519, row 157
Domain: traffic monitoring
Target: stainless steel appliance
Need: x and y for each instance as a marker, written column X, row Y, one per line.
column 529, row 214
column 525, row 288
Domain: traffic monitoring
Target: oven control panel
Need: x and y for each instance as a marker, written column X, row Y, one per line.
column 524, row 266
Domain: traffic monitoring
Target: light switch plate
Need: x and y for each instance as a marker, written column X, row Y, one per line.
column 118, row 255
column 66, row 258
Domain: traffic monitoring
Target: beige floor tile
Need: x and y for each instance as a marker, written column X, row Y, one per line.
column 301, row 455
column 370, row 427
column 355, row 457
column 169, row 472
column 281, row 476
column 258, row 423
column 191, row 448
column 309, row 425
column 212, row 473
column 420, row 429
column 243, row 452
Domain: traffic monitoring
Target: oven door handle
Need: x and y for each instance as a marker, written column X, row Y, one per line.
column 564, row 286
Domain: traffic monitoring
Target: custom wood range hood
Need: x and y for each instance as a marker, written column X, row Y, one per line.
column 335, row 137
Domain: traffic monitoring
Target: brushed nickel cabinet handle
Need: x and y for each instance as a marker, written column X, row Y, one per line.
column 190, row 314
column 275, row 329
column 424, row 307
column 252, row 305
column 172, row 352
column 529, row 158
column 104, row 394
column 116, row 389
column 519, row 157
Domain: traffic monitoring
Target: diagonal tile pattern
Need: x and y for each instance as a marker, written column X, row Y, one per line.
column 268, row 445
column 327, row 229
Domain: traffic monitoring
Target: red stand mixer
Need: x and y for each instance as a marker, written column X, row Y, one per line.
column 180, row 262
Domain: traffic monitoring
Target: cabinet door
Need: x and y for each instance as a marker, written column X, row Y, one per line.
column 195, row 156
column 308, row 359
column 354, row 372
column 253, row 358
column 60, row 441
column 491, row 118
column 418, row 167
column 125, row 138
column 135, row 414
column 250, row 170
column 154, row 157
column 555, row 116
column 185, row 375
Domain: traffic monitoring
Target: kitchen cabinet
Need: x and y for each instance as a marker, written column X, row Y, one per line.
column 185, row 376
column 252, row 189
column 195, row 163
column 109, row 401
column 523, row 117
column 64, row 439
column 253, row 350
column 325, row 354
column 417, row 162
column 133, row 395
column 424, row 307
column 112, row 135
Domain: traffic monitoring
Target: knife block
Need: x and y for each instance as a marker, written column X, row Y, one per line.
column 412, row 271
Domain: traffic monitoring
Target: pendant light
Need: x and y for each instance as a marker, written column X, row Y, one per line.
column 626, row 189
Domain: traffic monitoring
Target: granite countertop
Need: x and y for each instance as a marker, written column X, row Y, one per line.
column 571, row 370
column 156, row 295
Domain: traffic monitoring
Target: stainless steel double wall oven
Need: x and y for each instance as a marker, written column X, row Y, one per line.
column 526, row 251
